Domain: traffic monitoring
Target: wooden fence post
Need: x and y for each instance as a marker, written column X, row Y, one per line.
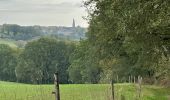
column 112, row 88
column 139, row 86
column 57, row 89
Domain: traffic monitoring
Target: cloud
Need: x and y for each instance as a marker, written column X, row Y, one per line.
column 41, row 12
column 62, row 7
column 6, row 0
column 3, row 9
column 63, row 4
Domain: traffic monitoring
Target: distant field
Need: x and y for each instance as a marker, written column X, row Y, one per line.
column 14, row 91
column 9, row 42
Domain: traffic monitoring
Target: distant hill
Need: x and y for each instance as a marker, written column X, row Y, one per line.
column 17, row 32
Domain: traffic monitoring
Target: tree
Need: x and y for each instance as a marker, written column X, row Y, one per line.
column 41, row 59
column 133, row 29
column 84, row 67
column 8, row 61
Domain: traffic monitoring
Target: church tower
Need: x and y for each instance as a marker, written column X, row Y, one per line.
column 73, row 25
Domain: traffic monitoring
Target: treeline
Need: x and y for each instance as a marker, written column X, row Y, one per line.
column 37, row 62
column 125, row 38
column 17, row 32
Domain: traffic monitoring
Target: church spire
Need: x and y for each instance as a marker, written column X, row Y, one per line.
column 73, row 25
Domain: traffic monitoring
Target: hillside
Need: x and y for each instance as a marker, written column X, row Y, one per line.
column 17, row 32
column 11, row 43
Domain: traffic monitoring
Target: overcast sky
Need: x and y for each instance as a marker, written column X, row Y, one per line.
column 42, row 12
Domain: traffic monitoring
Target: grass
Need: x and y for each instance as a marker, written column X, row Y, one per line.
column 16, row 91
column 11, row 43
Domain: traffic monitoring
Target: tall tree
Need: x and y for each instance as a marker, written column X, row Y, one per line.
column 41, row 59
column 84, row 66
column 8, row 62
column 135, row 29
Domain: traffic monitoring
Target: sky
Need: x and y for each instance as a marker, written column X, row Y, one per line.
column 42, row 12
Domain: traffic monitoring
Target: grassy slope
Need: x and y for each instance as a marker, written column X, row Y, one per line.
column 9, row 42
column 14, row 91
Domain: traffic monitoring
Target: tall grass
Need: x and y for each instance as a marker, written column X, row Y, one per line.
column 14, row 91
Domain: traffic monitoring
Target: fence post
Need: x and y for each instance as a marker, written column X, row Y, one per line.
column 112, row 88
column 139, row 86
column 57, row 89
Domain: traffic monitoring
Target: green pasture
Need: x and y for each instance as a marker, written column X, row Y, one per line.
column 8, row 42
column 15, row 91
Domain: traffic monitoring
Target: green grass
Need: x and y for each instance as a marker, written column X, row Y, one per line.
column 16, row 91
column 8, row 42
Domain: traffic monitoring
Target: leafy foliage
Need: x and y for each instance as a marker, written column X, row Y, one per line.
column 8, row 62
column 130, row 37
column 41, row 59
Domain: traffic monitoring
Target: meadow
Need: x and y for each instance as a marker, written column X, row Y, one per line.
column 16, row 91
column 9, row 42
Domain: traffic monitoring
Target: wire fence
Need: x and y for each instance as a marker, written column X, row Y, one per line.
column 14, row 91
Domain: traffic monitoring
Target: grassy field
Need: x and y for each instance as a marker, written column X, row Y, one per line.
column 9, row 42
column 15, row 91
